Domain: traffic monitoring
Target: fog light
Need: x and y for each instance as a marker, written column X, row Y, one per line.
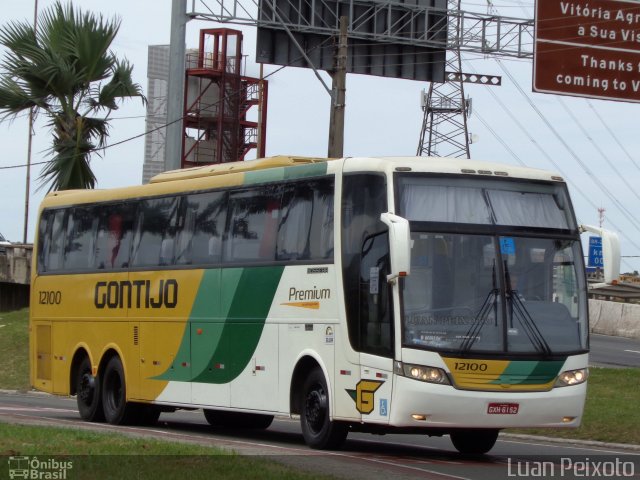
column 419, row 417
column 568, row 419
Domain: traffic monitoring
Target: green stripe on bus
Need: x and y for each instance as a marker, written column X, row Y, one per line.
column 308, row 170
column 529, row 373
column 286, row 173
column 264, row 176
column 220, row 343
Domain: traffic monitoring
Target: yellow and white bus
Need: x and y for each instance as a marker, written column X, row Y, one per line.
column 439, row 296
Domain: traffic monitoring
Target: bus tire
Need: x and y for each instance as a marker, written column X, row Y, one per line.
column 474, row 442
column 117, row 411
column 88, row 394
column 219, row 418
column 318, row 430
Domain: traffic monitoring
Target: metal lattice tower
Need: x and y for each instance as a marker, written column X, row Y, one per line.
column 444, row 126
column 488, row 34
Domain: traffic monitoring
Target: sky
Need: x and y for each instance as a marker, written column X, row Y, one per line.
column 595, row 144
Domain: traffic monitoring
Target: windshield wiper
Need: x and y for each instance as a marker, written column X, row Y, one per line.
column 472, row 334
column 528, row 323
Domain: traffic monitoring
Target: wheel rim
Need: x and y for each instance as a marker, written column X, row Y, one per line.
column 87, row 388
column 316, row 408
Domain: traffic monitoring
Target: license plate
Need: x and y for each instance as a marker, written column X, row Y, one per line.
column 503, row 408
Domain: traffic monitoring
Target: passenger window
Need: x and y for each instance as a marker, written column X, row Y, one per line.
column 156, row 231
column 113, row 240
column 56, row 246
column 82, row 225
column 200, row 238
column 306, row 228
column 253, row 225
column 44, row 240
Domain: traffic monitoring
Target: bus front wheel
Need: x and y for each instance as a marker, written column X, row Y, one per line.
column 318, row 429
column 117, row 410
column 474, row 442
column 88, row 393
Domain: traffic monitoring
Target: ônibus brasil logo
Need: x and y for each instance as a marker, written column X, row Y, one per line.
column 40, row 469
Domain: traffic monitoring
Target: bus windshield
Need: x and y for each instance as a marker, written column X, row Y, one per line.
column 488, row 286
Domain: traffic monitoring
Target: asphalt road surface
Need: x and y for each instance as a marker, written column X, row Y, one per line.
column 614, row 351
column 364, row 456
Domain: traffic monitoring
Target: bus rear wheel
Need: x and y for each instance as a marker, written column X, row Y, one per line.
column 318, row 430
column 88, row 393
column 219, row 418
column 117, row 410
column 474, row 442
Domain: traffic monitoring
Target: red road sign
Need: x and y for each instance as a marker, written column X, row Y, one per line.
column 588, row 48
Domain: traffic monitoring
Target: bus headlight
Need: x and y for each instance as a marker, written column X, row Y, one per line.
column 572, row 377
column 422, row 373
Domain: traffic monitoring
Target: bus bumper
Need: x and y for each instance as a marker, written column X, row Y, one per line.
column 420, row 404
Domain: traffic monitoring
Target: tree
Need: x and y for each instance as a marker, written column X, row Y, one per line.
column 65, row 69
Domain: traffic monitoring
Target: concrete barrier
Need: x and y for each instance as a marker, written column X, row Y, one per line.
column 614, row 318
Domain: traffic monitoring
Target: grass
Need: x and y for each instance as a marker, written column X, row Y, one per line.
column 113, row 456
column 611, row 412
column 14, row 350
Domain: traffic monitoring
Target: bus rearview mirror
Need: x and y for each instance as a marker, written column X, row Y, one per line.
column 399, row 245
column 610, row 252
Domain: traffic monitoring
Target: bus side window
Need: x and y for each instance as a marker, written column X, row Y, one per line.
column 157, row 228
column 113, row 238
column 253, row 223
column 208, row 215
column 44, row 241
column 56, row 247
column 81, row 230
column 305, row 231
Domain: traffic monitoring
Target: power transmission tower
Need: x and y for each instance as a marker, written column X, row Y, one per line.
column 444, row 125
column 488, row 34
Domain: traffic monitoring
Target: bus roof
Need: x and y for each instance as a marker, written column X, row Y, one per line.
column 234, row 167
column 445, row 165
column 280, row 167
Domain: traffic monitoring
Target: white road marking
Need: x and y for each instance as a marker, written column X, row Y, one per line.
column 632, row 351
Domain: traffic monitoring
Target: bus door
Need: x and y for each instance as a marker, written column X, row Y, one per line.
column 367, row 294
column 373, row 392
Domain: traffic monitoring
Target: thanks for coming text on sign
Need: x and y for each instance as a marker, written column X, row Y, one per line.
column 588, row 48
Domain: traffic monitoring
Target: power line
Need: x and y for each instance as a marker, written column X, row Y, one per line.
column 519, row 124
column 613, row 135
column 597, row 147
column 554, row 131
column 165, row 125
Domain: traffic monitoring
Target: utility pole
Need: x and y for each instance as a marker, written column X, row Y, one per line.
column 601, row 216
column 29, row 145
column 338, row 95
column 175, row 88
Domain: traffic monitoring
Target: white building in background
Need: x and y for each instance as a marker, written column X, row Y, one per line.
column 158, row 79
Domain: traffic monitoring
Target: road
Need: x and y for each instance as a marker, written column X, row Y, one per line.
column 363, row 456
column 609, row 351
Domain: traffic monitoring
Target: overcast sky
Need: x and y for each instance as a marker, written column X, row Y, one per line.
column 383, row 117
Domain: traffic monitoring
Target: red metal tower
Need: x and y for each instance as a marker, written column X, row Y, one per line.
column 217, row 99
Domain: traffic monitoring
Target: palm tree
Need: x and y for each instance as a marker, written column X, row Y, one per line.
column 65, row 70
